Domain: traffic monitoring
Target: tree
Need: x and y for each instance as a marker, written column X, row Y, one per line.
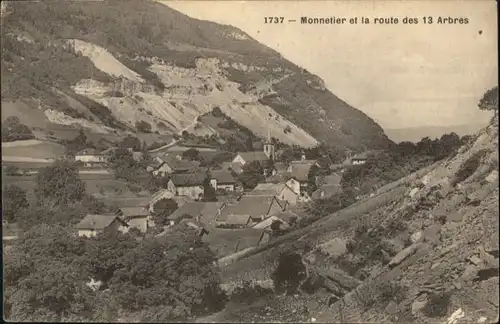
column 13, row 130
column 124, row 166
column 209, row 193
column 314, row 171
column 171, row 277
column 143, row 126
column 59, row 183
column 79, row 143
column 131, row 142
column 252, row 174
column 489, row 101
column 12, row 170
column 162, row 209
column 191, row 154
column 14, row 201
column 289, row 273
column 216, row 112
column 44, row 279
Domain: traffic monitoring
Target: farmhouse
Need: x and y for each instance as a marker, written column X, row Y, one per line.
column 175, row 165
column 357, row 159
column 280, row 190
column 136, row 217
column 93, row 224
column 257, row 207
column 187, row 184
column 91, row 157
column 204, row 212
column 222, row 180
column 299, row 173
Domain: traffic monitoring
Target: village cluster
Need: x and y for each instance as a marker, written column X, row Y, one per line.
column 272, row 201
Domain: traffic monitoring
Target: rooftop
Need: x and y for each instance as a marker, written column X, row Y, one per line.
column 132, row 211
column 254, row 206
column 206, row 210
column 96, row 222
column 222, row 176
column 188, row 179
column 300, row 171
column 253, row 156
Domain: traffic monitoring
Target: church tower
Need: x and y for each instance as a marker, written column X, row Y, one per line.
column 269, row 146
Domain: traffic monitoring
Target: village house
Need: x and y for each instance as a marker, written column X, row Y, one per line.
column 136, row 217
column 222, row 180
column 257, row 208
column 299, row 177
column 356, row 159
column 234, row 167
column 93, row 224
column 203, row 212
column 91, row 157
column 175, row 165
column 280, row 190
column 259, row 156
column 189, row 224
column 187, row 184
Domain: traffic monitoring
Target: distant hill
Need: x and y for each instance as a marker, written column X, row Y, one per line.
column 415, row 134
column 107, row 65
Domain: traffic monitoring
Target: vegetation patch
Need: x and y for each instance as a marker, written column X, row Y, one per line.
column 469, row 166
column 437, row 305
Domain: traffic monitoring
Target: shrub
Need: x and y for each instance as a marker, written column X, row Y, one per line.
column 13, row 130
column 143, row 126
column 437, row 304
column 216, row 112
column 289, row 273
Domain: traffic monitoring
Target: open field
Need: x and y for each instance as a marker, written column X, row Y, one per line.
column 95, row 184
column 32, row 149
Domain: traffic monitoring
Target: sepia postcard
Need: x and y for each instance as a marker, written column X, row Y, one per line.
column 250, row 161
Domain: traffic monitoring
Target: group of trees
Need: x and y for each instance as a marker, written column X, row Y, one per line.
column 59, row 197
column 134, row 171
column 13, row 130
column 47, row 276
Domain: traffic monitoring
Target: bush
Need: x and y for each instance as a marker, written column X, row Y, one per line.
column 289, row 273
column 437, row 304
column 468, row 167
column 13, row 130
column 143, row 126
column 216, row 112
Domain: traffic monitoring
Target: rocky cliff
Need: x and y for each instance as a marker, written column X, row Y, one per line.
column 423, row 249
column 142, row 61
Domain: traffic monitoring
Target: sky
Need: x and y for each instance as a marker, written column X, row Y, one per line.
column 401, row 75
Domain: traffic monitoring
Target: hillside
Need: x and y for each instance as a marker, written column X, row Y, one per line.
column 107, row 65
column 422, row 249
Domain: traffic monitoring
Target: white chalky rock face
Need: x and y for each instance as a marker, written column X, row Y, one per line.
column 458, row 314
